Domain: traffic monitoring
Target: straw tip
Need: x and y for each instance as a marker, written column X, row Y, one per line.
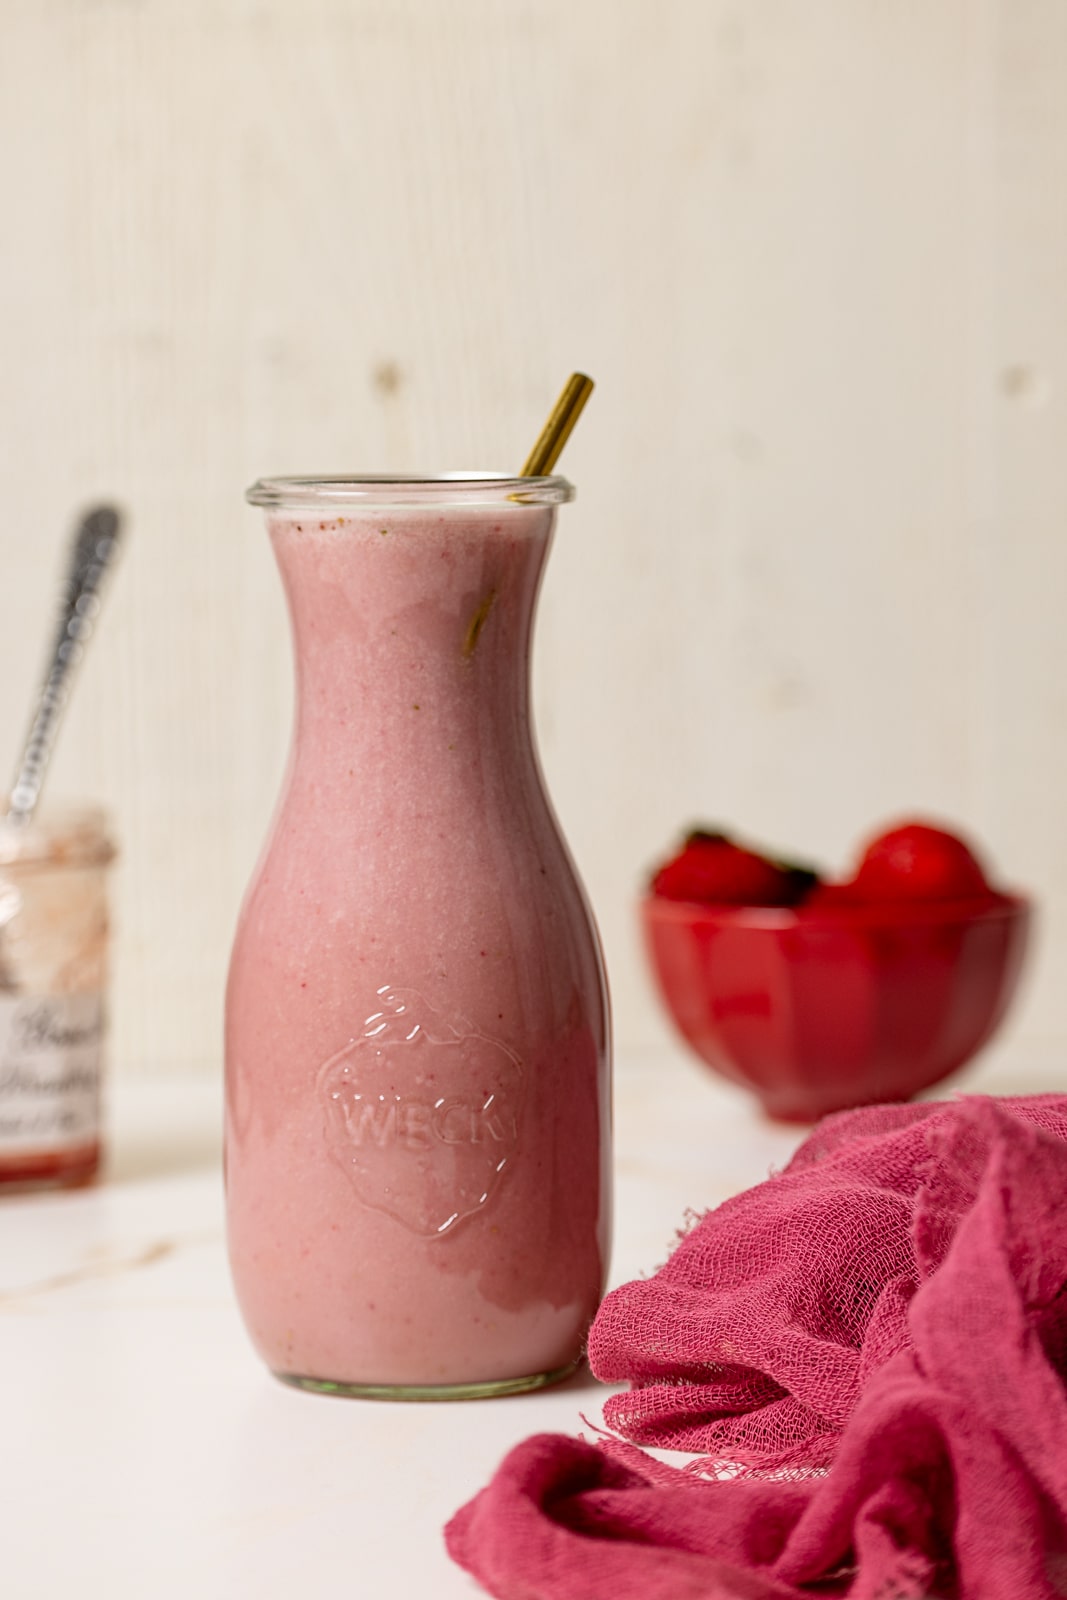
column 557, row 429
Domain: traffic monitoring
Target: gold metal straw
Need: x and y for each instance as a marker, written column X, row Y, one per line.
column 557, row 430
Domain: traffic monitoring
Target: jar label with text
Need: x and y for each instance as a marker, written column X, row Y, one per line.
column 50, row 1056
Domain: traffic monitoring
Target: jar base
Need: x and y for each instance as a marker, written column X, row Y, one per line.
column 65, row 1169
column 493, row 1390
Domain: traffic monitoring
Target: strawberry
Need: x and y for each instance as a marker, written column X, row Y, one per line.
column 713, row 870
column 916, row 861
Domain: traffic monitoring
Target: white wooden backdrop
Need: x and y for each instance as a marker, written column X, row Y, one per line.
column 815, row 254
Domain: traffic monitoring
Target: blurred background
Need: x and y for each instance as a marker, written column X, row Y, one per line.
column 813, row 252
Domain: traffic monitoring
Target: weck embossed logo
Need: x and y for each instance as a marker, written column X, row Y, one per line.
column 422, row 1113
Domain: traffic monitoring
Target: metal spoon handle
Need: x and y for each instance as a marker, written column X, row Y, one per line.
column 92, row 550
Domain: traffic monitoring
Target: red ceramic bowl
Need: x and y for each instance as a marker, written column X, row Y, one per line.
column 831, row 1007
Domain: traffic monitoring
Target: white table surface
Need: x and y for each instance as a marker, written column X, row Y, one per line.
column 145, row 1452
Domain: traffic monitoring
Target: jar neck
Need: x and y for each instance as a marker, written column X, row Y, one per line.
column 412, row 635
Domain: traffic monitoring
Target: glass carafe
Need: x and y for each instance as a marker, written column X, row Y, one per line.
column 418, row 1140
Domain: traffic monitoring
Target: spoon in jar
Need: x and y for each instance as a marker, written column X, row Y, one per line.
column 92, row 550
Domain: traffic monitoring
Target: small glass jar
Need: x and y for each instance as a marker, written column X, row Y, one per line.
column 53, row 982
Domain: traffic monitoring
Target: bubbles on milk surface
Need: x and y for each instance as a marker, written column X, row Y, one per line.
column 422, row 1112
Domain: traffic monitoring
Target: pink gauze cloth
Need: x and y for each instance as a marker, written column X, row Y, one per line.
column 893, row 1304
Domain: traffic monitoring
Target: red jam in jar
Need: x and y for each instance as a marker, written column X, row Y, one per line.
column 53, row 982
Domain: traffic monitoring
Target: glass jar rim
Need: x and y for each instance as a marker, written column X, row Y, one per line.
column 364, row 491
column 71, row 835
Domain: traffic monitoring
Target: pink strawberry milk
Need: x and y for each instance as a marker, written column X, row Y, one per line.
column 417, row 1145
